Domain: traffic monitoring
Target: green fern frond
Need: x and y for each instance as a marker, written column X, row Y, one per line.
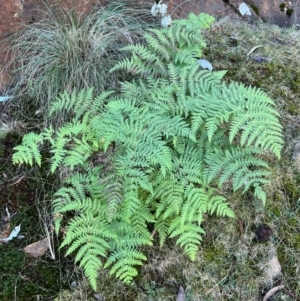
column 162, row 227
column 131, row 205
column 217, row 204
column 260, row 193
column 196, row 204
column 83, row 102
column 224, row 164
column 95, row 106
column 28, row 150
column 89, row 236
column 58, row 158
column 140, row 219
column 190, row 236
column 66, row 102
column 122, row 262
column 170, row 194
column 246, row 178
column 257, row 119
column 91, row 265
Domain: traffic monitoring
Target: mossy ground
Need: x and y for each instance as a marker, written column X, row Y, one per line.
column 231, row 263
column 26, row 193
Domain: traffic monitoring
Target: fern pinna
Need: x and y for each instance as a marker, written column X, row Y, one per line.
column 156, row 152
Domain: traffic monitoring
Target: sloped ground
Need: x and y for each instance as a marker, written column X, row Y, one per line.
column 255, row 256
column 246, row 257
column 242, row 258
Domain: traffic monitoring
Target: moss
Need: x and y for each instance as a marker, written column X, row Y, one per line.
column 276, row 210
column 19, row 273
column 293, row 222
column 291, row 189
column 287, row 262
column 295, row 82
column 214, row 254
column 278, row 197
column 48, row 274
column 292, row 107
column 289, row 12
column 282, row 6
column 255, row 9
column 296, row 241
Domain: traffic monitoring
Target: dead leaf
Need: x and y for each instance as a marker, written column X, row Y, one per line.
column 38, row 248
column 14, row 233
column 5, row 231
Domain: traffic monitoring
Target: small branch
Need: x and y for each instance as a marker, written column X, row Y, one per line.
column 254, row 48
column 290, row 294
column 18, row 181
column 272, row 291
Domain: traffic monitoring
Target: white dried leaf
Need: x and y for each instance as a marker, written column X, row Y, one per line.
column 272, row 267
column 244, row 9
column 163, row 9
column 4, row 98
column 13, row 234
column 154, row 9
column 205, row 64
column 166, row 21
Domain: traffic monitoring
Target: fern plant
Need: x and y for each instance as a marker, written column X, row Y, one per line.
column 155, row 153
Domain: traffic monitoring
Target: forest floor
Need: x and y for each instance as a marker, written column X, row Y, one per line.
column 235, row 262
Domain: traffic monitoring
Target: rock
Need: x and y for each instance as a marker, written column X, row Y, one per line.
column 180, row 295
column 272, row 267
column 37, row 249
column 296, row 154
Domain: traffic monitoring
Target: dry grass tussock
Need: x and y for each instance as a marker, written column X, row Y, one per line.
column 68, row 50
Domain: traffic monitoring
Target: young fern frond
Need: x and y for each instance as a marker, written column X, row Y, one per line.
column 122, row 262
column 190, row 236
column 29, row 150
column 65, row 101
column 90, row 236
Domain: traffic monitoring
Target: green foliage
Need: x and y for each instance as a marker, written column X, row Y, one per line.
column 155, row 153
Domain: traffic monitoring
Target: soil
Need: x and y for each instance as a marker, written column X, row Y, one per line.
column 15, row 14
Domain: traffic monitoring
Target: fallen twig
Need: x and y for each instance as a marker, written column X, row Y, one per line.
column 18, row 181
column 272, row 291
column 254, row 48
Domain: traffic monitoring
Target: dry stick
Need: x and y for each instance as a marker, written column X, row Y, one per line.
column 18, row 181
column 180, row 4
column 295, row 10
column 290, row 294
column 272, row 291
column 229, row 270
column 254, row 48
column 49, row 234
column 241, row 227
